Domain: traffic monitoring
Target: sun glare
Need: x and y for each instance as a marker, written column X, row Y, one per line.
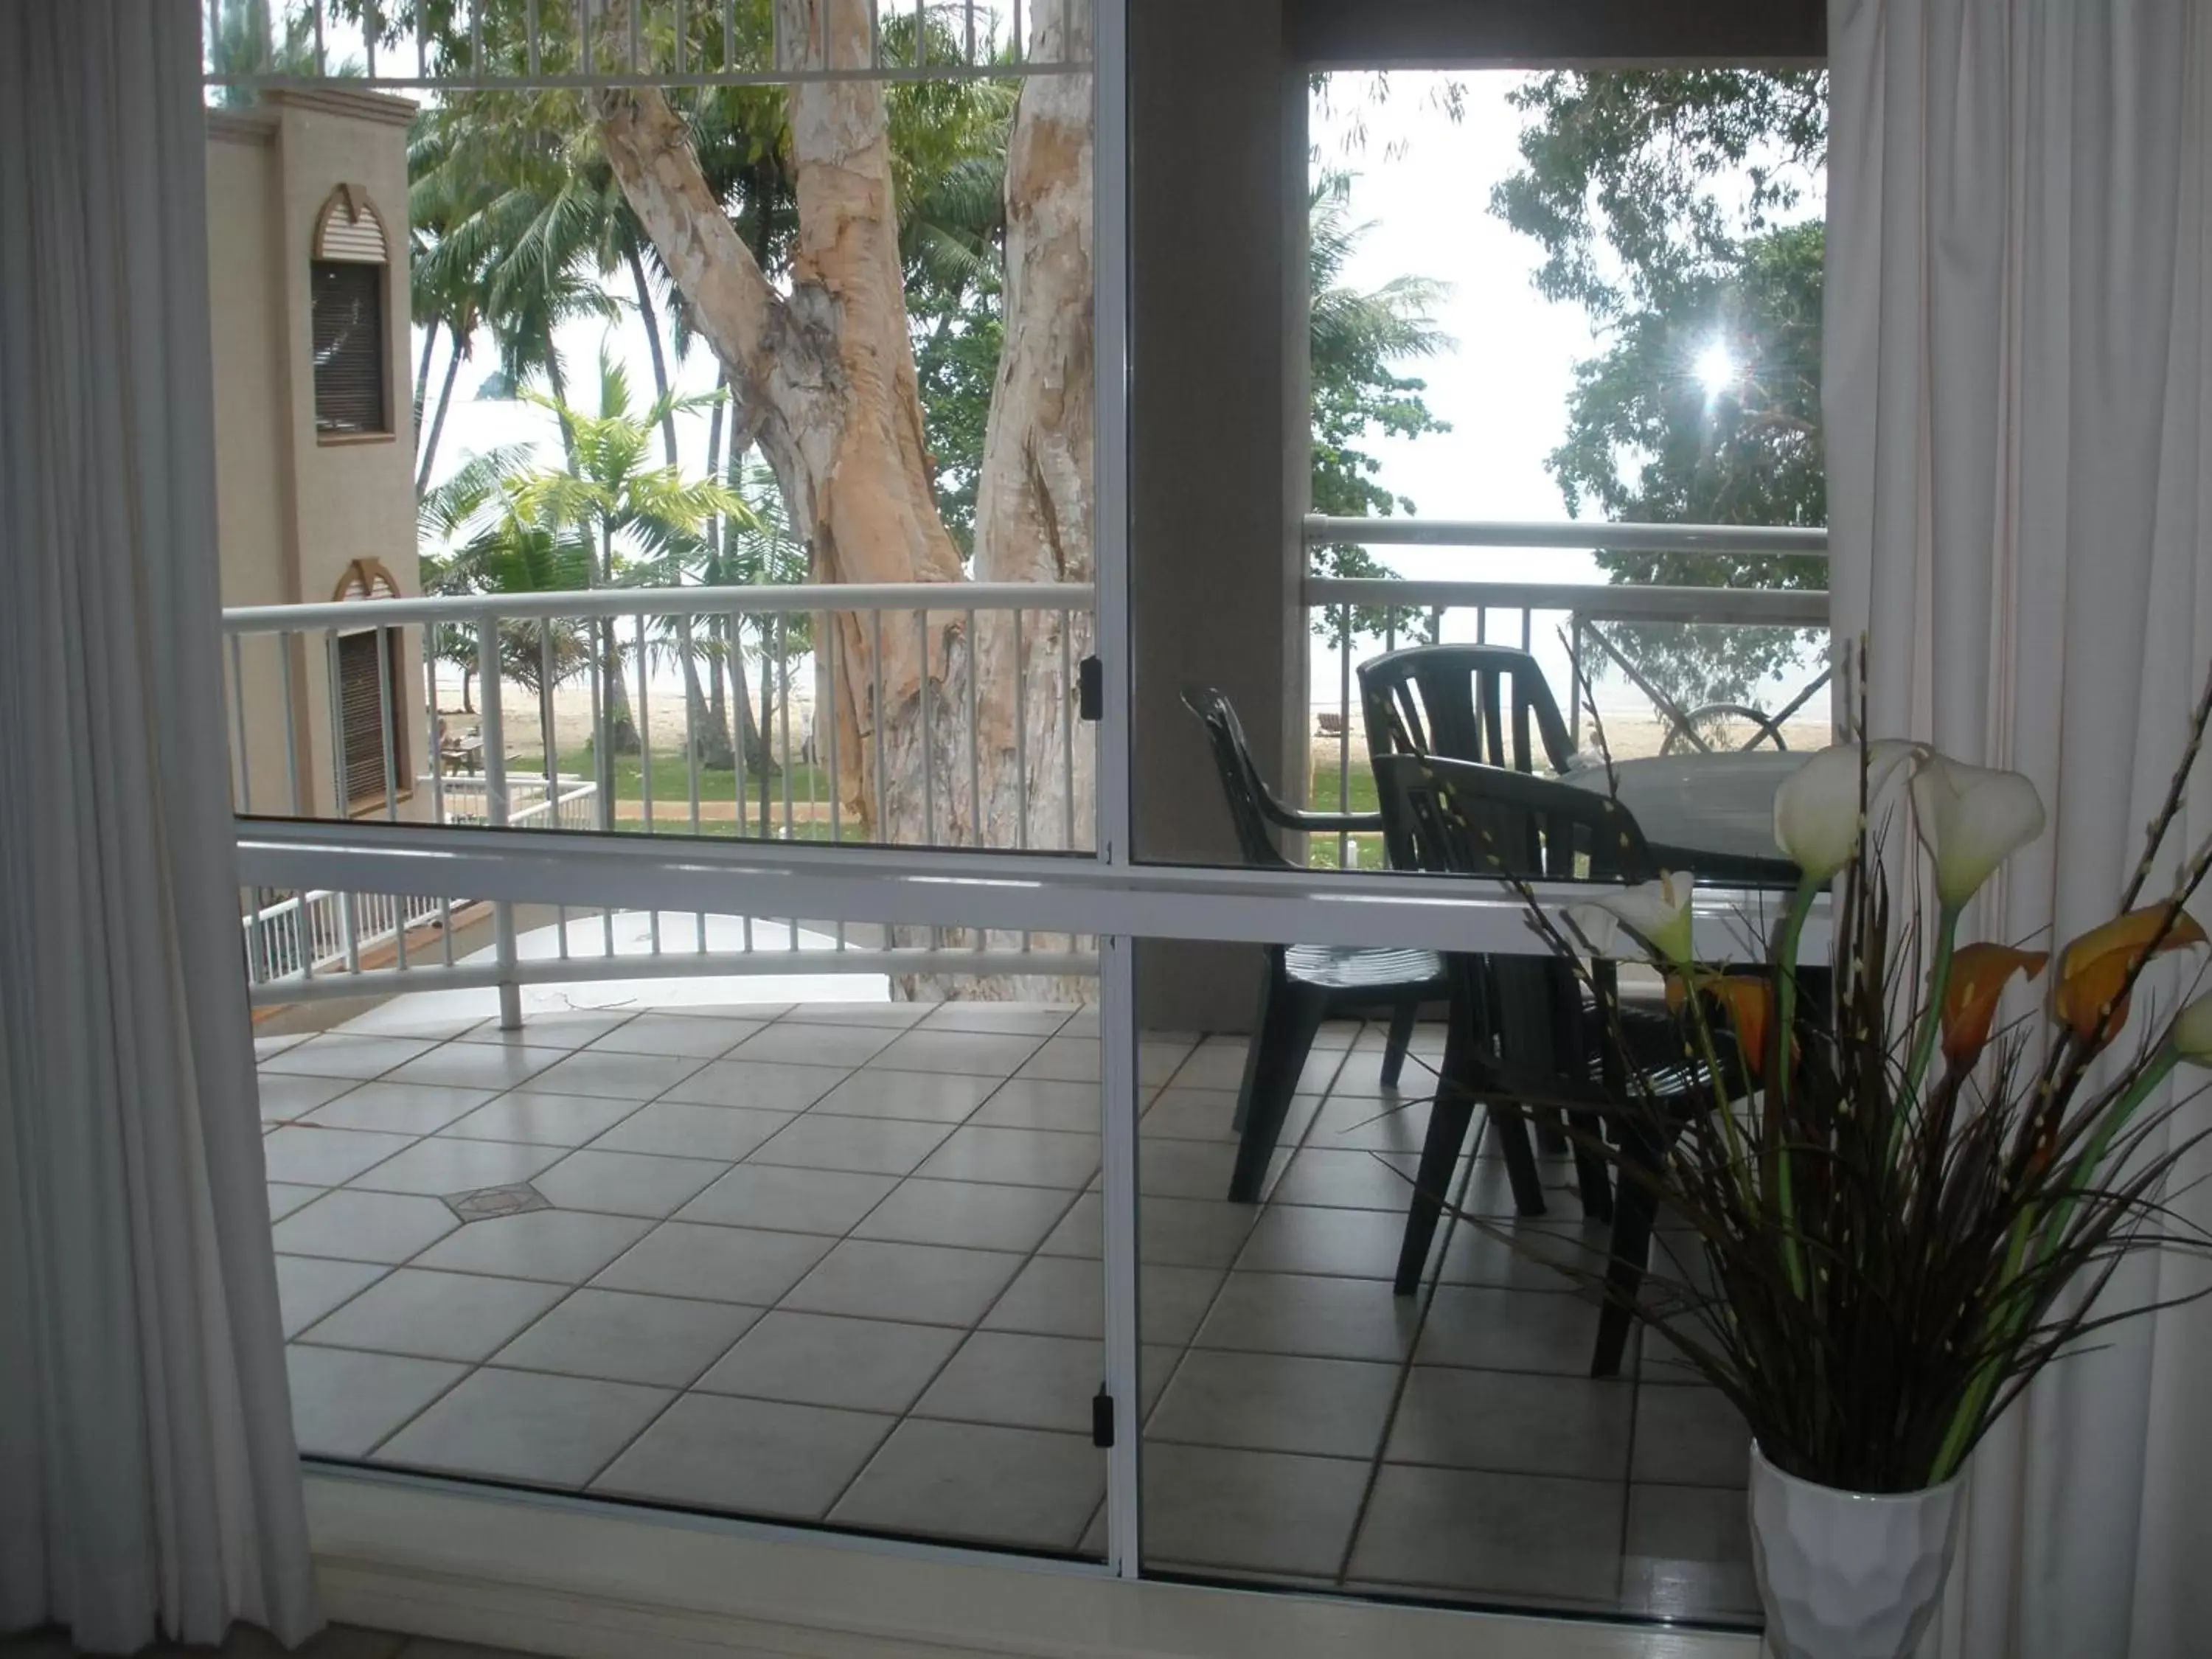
column 1716, row 369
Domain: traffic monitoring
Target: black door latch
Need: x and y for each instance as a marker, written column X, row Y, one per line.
column 1090, row 689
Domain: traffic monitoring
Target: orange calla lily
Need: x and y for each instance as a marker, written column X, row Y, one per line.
column 1748, row 1001
column 1979, row 973
column 2093, row 971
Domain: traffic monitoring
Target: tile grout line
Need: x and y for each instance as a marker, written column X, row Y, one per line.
column 1434, row 1278
column 778, row 1305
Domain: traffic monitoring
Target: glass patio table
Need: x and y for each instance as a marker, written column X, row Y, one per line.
column 1712, row 815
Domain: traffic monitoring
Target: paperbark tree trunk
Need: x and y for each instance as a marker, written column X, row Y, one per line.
column 826, row 381
column 825, row 378
column 1034, row 493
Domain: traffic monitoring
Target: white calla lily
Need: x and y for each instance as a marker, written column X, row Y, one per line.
column 1972, row 819
column 2192, row 1031
column 1656, row 914
column 1816, row 810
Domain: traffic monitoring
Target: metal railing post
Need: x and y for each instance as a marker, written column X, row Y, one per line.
column 494, row 777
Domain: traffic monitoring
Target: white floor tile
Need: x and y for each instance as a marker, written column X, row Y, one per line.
column 790, row 1200
column 787, row 1043
column 338, row 1053
column 1301, row 1313
column 1042, row 1103
column 757, row 1456
column 626, row 1338
column 285, row 1197
column 626, row 1184
column 344, row 1402
column 540, row 1120
column 979, row 1054
column 307, row 1287
column 385, row 1227
column 719, row 1264
column 1269, row 1402
column 403, row 1109
column 980, row 1217
column 429, row 1315
column 699, row 1037
column 528, row 1426
column 479, row 1065
column 761, row 1085
column 924, row 1283
column 564, row 1247
column 315, row 1156
column 439, row 1167
column 674, row 1129
column 284, row 1098
column 924, row 1097
column 1012, row 1019
column 1032, row 1158
column 822, row 1359
column 871, row 1146
column 1065, row 1295
column 1024, row 1487
column 561, row 1031
column 615, row 1076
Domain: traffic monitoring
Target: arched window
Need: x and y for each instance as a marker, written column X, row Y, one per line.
column 372, row 697
column 349, row 273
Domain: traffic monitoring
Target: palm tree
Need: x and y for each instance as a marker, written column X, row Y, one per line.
column 641, row 522
column 491, row 546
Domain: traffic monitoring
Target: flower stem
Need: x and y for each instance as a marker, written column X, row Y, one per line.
column 1931, row 1016
column 1778, row 1066
column 2046, row 1235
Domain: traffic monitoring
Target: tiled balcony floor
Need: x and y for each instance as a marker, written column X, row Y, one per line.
column 838, row 1262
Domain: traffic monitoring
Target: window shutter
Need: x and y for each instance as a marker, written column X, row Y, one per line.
column 362, row 719
column 348, row 303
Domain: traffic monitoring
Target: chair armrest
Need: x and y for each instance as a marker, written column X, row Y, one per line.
column 1331, row 823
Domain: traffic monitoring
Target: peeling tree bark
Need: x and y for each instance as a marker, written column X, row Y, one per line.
column 1034, row 506
column 825, row 378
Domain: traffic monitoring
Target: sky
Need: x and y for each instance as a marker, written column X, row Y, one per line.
column 1421, row 181
column 1424, row 183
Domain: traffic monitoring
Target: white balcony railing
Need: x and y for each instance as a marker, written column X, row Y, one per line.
column 1598, row 628
column 317, row 721
column 299, row 935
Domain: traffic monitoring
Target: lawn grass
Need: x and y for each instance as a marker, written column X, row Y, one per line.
column 672, row 779
column 1326, row 782
column 671, row 789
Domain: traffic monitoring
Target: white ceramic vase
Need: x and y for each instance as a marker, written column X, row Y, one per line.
column 1847, row 1575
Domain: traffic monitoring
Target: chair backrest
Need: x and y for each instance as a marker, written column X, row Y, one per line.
column 1241, row 782
column 1457, row 817
column 1453, row 816
column 1488, row 703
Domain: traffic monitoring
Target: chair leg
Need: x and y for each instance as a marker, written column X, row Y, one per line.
column 1510, row 1125
column 1449, row 1117
column 1288, row 1025
column 1401, row 1039
column 1634, row 1209
column 1269, row 989
column 1592, row 1176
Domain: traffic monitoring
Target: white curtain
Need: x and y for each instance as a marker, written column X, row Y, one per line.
column 2019, row 412
column 148, row 1479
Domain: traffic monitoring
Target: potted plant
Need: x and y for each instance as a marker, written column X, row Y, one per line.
column 1904, row 1209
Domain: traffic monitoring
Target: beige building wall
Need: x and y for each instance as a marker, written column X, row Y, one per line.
column 297, row 508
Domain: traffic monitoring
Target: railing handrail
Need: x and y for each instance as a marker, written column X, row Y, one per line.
column 1791, row 607
column 1739, row 541
column 760, row 599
